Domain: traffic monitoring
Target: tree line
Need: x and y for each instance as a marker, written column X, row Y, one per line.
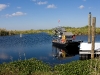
column 74, row 30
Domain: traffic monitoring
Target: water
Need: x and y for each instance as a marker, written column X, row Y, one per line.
column 35, row 45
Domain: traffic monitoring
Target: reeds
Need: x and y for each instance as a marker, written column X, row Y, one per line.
column 74, row 30
column 24, row 67
column 95, row 66
column 36, row 67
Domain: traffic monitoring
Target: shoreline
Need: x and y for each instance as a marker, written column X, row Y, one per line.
column 76, row 31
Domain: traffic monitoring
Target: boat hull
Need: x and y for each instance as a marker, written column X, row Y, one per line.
column 67, row 45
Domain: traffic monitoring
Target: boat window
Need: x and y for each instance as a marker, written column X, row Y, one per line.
column 68, row 36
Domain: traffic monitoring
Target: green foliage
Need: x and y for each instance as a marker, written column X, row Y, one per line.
column 76, row 31
column 36, row 67
column 73, row 68
column 24, row 67
column 86, row 67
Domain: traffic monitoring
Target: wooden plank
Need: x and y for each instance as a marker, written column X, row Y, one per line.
column 87, row 46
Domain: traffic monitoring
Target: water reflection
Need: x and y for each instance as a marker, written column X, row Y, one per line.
column 87, row 56
column 28, row 46
column 13, row 48
column 63, row 53
column 4, row 56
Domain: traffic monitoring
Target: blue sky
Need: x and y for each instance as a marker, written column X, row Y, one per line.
column 44, row 14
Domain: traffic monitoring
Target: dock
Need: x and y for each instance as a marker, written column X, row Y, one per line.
column 85, row 48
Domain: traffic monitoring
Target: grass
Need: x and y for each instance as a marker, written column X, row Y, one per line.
column 36, row 67
column 75, row 30
column 23, row 67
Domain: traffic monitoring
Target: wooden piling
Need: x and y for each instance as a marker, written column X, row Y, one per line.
column 93, row 36
column 89, row 28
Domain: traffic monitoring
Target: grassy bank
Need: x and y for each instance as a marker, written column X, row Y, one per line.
column 76, row 31
column 36, row 67
column 24, row 67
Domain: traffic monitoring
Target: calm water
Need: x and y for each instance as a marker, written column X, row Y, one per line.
column 34, row 45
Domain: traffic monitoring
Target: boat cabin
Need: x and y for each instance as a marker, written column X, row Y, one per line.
column 62, row 36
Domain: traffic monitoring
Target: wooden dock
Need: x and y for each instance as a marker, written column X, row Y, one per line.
column 85, row 48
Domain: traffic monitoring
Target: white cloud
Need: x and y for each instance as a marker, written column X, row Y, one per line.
column 51, row 6
column 18, row 7
column 15, row 14
column 41, row 3
column 81, row 6
column 3, row 6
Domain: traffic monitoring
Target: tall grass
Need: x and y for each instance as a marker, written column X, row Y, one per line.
column 74, row 30
column 36, row 67
column 23, row 67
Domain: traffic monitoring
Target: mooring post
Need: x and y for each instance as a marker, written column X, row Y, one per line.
column 89, row 28
column 93, row 37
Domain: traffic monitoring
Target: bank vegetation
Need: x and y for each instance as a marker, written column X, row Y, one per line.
column 36, row 67
column 74, row 30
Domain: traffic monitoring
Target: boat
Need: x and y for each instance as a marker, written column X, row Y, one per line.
column 64, row 39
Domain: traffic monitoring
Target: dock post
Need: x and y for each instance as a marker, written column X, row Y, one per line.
column 89, row 28
column 93, row 36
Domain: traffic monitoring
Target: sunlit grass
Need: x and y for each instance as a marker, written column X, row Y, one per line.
column 75, row 30
column 86, row 67
column 36, row 67
column 23, row 67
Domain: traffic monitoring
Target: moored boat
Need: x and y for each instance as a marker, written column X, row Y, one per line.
column 64, row 39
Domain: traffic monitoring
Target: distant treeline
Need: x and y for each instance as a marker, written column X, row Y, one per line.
column 74, row 30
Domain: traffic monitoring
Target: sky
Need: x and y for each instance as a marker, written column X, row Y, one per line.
column 47, row 14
